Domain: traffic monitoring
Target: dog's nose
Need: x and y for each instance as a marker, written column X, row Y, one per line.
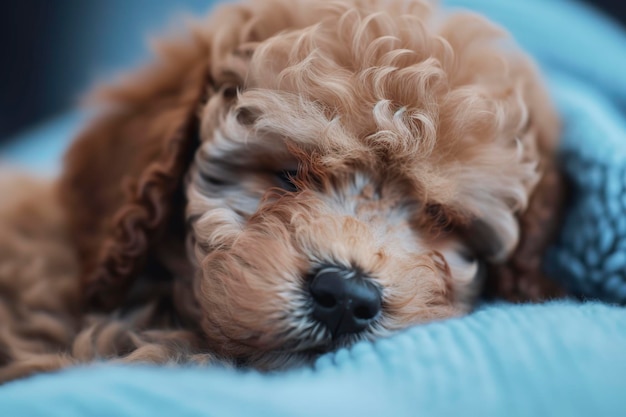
column 343, row 300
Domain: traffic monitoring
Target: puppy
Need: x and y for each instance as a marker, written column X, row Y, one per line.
column 292, row 177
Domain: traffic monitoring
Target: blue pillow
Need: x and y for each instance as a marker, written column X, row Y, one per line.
column 553, row 360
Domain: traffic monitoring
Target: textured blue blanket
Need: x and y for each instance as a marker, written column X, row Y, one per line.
column 553, row 360
column 556, row 359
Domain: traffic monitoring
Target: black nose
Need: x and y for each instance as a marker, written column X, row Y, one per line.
column 343, row 300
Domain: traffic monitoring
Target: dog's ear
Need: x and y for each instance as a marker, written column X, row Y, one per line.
column 522, row 278
column 122, row 180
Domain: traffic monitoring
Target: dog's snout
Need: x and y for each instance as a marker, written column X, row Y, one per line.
column 343, row 300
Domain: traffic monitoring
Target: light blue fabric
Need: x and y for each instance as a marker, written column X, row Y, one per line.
column 590, row 255
column 559, row 359
column 553, row 360
column 40, row 150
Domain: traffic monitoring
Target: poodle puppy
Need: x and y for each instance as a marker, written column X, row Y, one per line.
column 288, row 178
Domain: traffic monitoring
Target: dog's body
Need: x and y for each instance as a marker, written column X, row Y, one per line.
column 293, row 177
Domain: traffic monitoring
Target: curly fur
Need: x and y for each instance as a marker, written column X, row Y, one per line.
column 417, row 142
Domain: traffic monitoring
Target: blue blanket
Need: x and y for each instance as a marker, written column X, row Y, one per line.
column 552, row 360
column 556, row 359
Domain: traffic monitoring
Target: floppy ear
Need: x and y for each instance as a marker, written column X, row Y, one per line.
column 122, row 183
column 122, row 180
column 521, row 278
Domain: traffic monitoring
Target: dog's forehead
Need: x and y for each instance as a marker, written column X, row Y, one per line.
column 439, row 106
column 380, row 81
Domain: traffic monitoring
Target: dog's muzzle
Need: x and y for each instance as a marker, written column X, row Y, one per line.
column 343, row 300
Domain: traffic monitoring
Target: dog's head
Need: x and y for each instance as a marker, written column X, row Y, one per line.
column 336, row 171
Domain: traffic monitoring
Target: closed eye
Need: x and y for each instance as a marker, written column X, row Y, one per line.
column 286, row 180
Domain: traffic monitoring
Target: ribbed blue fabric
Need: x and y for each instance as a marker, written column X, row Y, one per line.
column 590, row 256
column 513, row 361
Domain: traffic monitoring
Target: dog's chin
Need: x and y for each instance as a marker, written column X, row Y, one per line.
column 302, row 353
column 281, row 360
